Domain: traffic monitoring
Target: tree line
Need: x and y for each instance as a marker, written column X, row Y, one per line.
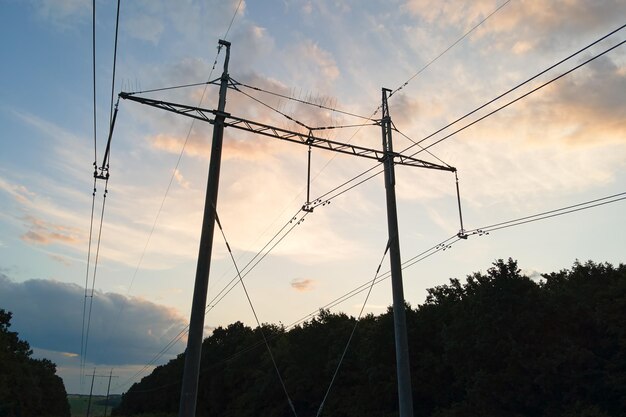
column 28, row 387
column 498, row 344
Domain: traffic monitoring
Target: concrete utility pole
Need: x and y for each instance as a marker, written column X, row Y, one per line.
column 405, row 396
column 93, row 377
column 106, row 402
column 191, row 374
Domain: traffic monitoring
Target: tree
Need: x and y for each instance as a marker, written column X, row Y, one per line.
column 498, row 344
column 28, row 387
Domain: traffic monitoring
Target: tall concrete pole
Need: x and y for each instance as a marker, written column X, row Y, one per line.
column 189, row 390
column 106, row 402
column 93, row 377
column 405, row 398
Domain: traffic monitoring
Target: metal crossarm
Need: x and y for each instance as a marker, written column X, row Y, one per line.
column 302, row 138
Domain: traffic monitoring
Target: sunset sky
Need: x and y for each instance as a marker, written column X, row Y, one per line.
column 562, row 145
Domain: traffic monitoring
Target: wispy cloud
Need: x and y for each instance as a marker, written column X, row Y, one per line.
column 303, row 284
column 41, row 232
column 63, row 12
column 147, row 28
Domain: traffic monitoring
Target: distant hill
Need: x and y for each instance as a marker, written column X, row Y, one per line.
column 499, row 344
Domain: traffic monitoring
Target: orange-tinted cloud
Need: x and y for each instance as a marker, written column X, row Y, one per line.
column 302, row 285
column 44, row 233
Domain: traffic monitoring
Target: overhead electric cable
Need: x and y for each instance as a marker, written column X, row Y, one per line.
column 87, row 270
column 378, row 108
column 418, row 143
column 517, row 99
column 117, row 25
column 274, row 109
column 182, row 332
column 223, row 293
column 95, row 167
column 225, row 290
column 175, row 87
column 551, row 213
column 356, row 323
column 230, row 25
column 93, row 59
column 250, row 266
column 524, row 83
column 439, row 247
column 169, row 185
column 95, row 270
column 594, row 58
column 448, row 48
column 256, row 317
column 182, row 151
column 308, row 103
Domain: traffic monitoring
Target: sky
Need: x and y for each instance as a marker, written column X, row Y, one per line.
column 562, row 145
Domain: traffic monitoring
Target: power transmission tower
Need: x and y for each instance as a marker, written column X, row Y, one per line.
column 220, row 119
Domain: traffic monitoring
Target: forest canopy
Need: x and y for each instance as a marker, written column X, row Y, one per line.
column 498, row 344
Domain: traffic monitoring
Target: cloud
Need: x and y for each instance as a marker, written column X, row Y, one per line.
column 308, row 60
column 233, row 148
column 525, row 24
column 42, row 232
column 302, row 285
column 48, row 314
column 61, row 12
column 180, row 179
column 20, row 193
column 589, row 106
column 145, row 28
column 61, row 259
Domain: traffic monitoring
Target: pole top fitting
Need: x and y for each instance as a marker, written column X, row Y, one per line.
column 387, row 90
column 223, row 42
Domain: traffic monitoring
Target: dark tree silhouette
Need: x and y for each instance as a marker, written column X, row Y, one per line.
column 28, row 387
column 499, row 344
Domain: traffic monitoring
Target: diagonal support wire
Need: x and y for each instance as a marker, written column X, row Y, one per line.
column 256, row 317
column 356, row 323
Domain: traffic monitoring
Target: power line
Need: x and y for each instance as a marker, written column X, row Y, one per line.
column 299, row 123
column 182, row 151
column 549, row 214
column 377, row 109
column 82, row 335
column 356, row 323
column 443, row 249
column 232, row 20
column 439, row 247
column 448, row 48
column 516, row 100
column 117, row 25
column 169, row 185
column 417, row 144
column 258, row 257
column 308, row 103
column 483, row 106
column 524, row 83
column 93, row 280
column 93, row 59
column 256, row 317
